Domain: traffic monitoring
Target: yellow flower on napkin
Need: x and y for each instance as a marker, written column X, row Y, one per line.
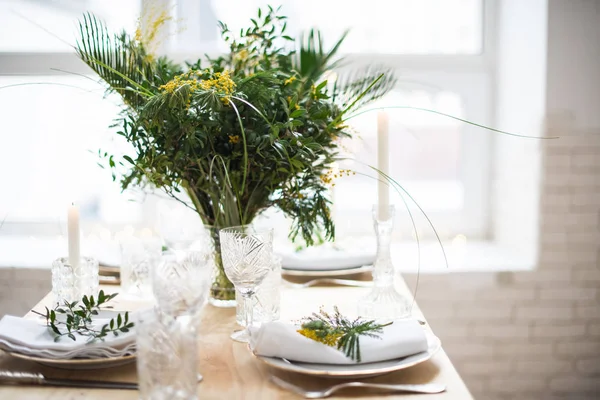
column 331, row 339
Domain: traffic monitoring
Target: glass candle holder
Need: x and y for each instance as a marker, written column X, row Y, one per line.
column 267, row 299
column 138, row 257
column 166, row 357
column 384, row 301
column 71, row 283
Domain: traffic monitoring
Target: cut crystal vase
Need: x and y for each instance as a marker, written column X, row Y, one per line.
column 384, row 301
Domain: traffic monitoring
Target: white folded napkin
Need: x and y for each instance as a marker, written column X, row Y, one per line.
column 279, row 339
column 30, row 337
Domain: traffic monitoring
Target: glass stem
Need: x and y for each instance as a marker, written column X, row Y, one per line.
column 249, row 310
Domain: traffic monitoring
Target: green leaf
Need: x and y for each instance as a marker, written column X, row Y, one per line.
column 298, row 113
column 55, row 329
column 320, row 86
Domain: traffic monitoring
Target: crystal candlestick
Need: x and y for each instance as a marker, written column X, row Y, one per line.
column 384, row 301
column 70, row 283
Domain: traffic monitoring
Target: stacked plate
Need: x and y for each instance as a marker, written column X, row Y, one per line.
column 329, row 259
column 33, row 340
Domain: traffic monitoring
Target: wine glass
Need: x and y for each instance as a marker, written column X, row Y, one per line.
column 181, row 280
column 247, row 254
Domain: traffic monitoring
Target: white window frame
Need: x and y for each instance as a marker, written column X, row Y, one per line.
column 470, row 76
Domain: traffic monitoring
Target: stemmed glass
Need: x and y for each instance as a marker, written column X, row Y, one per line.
column 181, row 280
column 247, row 254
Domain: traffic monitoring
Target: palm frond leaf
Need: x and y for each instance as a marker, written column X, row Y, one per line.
column 312, row 61
column 116, row 58
column 351, row 85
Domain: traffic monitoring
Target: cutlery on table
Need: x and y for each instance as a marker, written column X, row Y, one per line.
column 28, row 378
column 340, row 282
column 427, row 388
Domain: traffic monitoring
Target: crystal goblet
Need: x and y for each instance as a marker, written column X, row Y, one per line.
column 139, row 257
column 181, row 280
column 247, row 254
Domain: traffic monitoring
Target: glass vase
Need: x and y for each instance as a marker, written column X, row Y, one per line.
column 222, row 291
column 182, row 229
column 384, row 301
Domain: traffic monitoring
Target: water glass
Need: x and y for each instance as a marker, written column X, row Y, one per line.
column 267, row 298
column 247, row 255
column 139, row 256
column 181, row 281
column 166, row 357
column 71, row 283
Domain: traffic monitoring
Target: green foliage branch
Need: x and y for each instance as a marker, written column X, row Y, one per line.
column 78, row 318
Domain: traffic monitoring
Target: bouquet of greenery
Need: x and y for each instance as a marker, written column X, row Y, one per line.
column 256, row 128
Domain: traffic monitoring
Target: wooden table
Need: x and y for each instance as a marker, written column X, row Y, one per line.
column 231, row 371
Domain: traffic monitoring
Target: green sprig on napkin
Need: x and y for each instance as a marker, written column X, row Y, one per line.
column 78, row 318
column 340, row 332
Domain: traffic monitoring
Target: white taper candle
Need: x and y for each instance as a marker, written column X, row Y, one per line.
column 383, row 164
column 73, row 233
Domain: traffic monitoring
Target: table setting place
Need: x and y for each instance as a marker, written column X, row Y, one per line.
column 155, row 319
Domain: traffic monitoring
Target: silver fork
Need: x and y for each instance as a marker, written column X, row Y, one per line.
column 320, row 394
column 340, row 282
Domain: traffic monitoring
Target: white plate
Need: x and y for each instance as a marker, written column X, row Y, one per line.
column 342, row 255
column 80, row 363
column 326, row 272
column 359, row 370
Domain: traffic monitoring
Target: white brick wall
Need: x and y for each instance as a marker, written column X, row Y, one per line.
column 534, row 335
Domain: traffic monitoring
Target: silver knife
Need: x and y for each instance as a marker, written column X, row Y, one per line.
column 30, row 378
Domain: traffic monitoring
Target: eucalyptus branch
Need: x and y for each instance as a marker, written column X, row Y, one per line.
column 79, row 318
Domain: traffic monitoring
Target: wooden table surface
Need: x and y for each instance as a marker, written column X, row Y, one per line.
column 230, row 370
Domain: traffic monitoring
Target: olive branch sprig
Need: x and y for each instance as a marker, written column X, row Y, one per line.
column 79, row 316
column 340, row 332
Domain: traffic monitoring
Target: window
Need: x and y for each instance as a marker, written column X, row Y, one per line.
column 439, row 49
column 379, row 26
